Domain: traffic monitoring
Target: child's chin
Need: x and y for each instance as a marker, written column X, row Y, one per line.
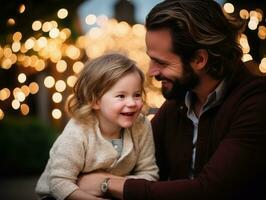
column 128, row 125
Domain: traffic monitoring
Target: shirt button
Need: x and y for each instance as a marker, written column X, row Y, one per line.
column 115, row 146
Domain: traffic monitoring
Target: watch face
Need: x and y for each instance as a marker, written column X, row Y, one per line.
column 104, row 185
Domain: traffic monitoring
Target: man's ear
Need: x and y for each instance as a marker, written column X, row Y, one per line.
column 200, row 60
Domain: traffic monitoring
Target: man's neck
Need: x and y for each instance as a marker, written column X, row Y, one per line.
column 205, row 87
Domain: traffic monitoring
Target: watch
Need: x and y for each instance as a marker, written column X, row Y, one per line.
column 104, row 185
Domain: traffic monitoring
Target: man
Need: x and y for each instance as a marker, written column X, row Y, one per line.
column 210, row 134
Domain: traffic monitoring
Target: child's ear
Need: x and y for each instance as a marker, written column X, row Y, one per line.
column 95, row 105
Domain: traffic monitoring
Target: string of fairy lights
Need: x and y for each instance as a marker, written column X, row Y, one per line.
column 53, row 49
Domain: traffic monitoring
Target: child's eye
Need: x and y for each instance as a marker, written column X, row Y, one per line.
column 120, row 96
column 138, row 95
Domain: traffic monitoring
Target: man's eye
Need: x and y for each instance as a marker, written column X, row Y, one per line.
column 158, row 62
column 161, row 63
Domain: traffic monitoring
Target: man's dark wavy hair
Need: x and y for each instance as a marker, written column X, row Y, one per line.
column 199, row 24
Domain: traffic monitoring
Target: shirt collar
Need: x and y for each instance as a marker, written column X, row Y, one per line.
column 213, row 98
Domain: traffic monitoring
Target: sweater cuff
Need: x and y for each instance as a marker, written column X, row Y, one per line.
column 64, row 190
column 135, row 189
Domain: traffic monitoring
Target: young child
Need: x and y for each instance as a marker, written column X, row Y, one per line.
column 106, row 131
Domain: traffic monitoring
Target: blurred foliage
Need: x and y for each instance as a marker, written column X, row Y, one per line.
column 24, row 145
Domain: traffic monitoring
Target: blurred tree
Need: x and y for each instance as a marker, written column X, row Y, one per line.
column 24, row 13
column 257, row 45
column 35, row 10
column 125, row 11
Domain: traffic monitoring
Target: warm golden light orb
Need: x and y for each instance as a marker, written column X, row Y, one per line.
column 24, row 109
column 56, row 113
column 49, row 82
column 90, row 19
column 229, row 8
column 22, row 77
column 62, row 13
column 22, row 8
column 36, row 25
column 1, row 114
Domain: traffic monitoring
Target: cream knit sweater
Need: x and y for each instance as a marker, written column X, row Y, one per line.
column 78, row 150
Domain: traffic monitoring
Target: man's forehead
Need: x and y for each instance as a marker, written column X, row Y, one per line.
column 159, row 45
column 159, row 39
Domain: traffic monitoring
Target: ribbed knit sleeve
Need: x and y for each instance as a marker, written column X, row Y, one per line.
column 66, row 161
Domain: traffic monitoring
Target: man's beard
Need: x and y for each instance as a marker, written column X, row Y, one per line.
column 181, row 86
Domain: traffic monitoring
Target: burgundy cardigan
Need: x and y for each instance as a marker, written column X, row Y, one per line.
column 231, row 147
